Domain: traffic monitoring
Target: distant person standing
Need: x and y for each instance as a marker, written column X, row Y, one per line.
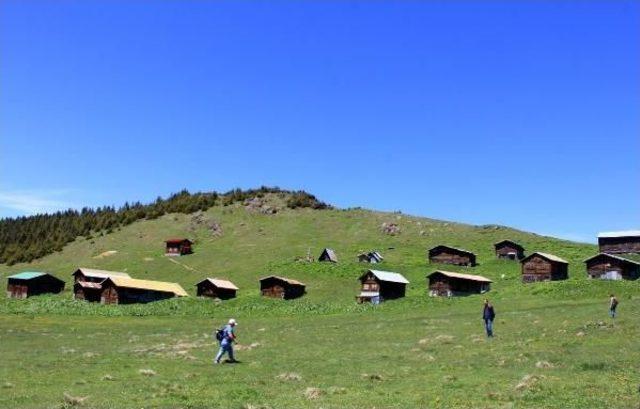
column 227, row 337
column 488, row 315
column 613, row 304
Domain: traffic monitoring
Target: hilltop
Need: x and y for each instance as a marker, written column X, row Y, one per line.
column 555, row 346
column 243, row 240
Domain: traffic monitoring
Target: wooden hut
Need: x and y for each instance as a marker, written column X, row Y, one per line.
column 378, row 286
column 216, row 288
column 448, row 284
column 611, row 267
column 178, row 247
column 281, row 287
column 543, row 267
column 87, row 283
column 617, row 242
column 328, row 255
column 451, row 255
column 122, row 290
column 31, row 283
column 372, row 257
column 509, row 250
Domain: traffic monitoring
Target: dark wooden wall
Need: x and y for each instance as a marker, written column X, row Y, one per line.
column 207, row 289
column 440, row 284
column 540, row 269
column 446, row 256
column 598, row 266
column 503, row 250
column 617, row 245
column 36, row 286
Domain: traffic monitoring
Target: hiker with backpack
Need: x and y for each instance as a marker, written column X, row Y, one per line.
column 613, row 304
column 488, row 315
column 226, row 337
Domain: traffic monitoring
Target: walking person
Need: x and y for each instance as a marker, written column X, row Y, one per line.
column 227, row 338
column 488, row 315
column 613, row 304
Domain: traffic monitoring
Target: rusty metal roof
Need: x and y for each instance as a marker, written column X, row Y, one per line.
column 89, row 284
column 177, row 240
column 220, row 283
column 287, row 280
column 91, row 272
column 148, row 285
column 471, row 277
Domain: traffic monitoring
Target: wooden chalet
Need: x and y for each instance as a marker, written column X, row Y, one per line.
column 123, row 290
column 216, row 288
column 448, row 284
column 31, row 283
column 612, row 267
column 88, row 283
column 281, row 287
column 451, row 255
column 328, row 255
column 509, row 250
column 178, row 247
column 378, row 286
column 617, row 242
column 543, row 267
column 372, row 257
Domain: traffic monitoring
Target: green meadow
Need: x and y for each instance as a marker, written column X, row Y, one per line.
column 555, row 346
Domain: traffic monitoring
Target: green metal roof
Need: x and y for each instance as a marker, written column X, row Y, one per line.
column 27, row 275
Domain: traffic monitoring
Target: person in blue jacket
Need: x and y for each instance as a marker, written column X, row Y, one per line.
column 226, row 343
column 488, row 315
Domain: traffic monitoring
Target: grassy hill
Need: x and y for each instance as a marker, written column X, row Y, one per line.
column 555, row 346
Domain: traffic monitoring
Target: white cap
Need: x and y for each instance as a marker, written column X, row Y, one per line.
column 232, row 322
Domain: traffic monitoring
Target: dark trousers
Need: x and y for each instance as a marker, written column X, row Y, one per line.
column 488, row 326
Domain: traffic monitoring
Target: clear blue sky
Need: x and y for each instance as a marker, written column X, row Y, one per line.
column 512, row 112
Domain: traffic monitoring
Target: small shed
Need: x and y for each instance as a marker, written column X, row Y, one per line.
column 378, row 286
column 451, row 255
column 122, row 290
column 87, row 283
column 216, row 288
column 29, row 283
column 281, row 287
column 448, row 284
column 328, row 255
column 616, row 242
column 543, row 267
column 372, row 257
column 509, row 250
column 613, row 267
column 178, row 247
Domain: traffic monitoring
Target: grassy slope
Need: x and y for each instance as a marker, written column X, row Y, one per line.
column 324, row 337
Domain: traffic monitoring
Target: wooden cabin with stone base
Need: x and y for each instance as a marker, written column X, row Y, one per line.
column 613, row 267
column 451, row 255
column 88, row 283
column 544, row 267
column 216, row 288
column 509, row 250
column 378, row 286
column 619, row 242
column 450, row 284
column 31, row 283
column 178, row 247
column 281, row 287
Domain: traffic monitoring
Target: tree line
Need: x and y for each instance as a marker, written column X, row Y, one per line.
column 26, row 238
